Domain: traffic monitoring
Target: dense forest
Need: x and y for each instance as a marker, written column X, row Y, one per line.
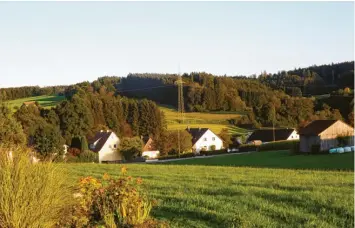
column 314, row 80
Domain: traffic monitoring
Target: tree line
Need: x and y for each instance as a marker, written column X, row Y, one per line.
column 13, row 93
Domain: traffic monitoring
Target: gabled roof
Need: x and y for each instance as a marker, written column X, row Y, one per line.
column 196, row 133
column 267, row 135
column 316, row 127
column 148, row 144
column 101, row 138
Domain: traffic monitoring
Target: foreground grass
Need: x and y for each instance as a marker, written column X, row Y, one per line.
column 279, row 159
column 45, row 101
column 207, row 196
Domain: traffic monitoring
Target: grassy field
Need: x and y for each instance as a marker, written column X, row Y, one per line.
column 45, row 101
column 216, row 121
column 278, row 159
column 216, row 196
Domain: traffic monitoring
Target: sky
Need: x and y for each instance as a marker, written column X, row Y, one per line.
column 61, row 43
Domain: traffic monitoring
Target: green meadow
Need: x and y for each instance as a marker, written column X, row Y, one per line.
column 206, row 193
column 45, row 101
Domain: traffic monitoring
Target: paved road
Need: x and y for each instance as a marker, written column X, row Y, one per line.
column 197, row 157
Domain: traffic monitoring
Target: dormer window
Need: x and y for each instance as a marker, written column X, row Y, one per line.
column 92, row 146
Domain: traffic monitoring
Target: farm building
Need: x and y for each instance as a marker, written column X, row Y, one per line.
column 105, row 143
column 267, row 135
column 325, row 134
column 204, row 139
column 149, row 148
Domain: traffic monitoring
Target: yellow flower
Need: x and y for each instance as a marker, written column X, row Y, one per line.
column 106, row 176
column 124, row 170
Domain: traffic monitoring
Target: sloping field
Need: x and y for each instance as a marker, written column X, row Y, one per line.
column 213, row 196
column 216, row 121
column 45, row 101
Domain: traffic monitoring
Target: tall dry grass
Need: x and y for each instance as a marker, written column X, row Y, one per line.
column 31, row 195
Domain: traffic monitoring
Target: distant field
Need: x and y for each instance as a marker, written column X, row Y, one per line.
column 45, row 101
column 215, row 196
column 278, row 159
column 216, row 121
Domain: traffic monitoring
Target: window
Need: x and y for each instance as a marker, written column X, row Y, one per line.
column 204, row 139
column 213, row 138
column 115, row 146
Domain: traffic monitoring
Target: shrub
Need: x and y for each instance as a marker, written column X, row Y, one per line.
column 84, row 157
column 213, row 147
column 31, row 195
column 315, row 149
column 88, row 156
column 280, row 145
column 112, row 202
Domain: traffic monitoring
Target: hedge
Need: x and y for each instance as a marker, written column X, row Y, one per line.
column 247, row 147
column 213, row 152
column 280, row 145
column 184, row 155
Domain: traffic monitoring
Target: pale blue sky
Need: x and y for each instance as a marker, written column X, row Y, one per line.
column 50, row 43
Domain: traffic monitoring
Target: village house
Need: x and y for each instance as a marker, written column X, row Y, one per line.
column 267, row 135
column 149, row 149
column 325, row 135
column 105, row 143
column 204, row 139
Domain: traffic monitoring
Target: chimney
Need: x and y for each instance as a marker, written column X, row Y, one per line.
column 199, row 129
column 188, row 127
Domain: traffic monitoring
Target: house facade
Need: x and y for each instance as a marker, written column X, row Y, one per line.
column 105, row 143
column 204, row 139
column 270, row 135
column 325, row 134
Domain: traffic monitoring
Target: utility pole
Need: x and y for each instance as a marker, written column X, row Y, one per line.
column 180, row 107
column 273, row 124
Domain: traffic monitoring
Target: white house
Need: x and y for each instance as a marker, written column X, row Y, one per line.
column 105, row 143
column 270, row 135
column 204, row 139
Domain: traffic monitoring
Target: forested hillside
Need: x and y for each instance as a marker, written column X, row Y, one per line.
column 283, row 98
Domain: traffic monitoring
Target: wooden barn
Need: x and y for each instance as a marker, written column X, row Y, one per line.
column 325, row 134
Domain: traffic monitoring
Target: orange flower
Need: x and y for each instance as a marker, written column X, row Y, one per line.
column 139, row 180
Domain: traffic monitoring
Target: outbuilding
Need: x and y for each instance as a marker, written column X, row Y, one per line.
column 325, row 134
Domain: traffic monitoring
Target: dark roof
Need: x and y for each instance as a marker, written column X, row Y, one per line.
column 196, row 133
column 267, row 135
column 316, row 127
column 102, row 136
